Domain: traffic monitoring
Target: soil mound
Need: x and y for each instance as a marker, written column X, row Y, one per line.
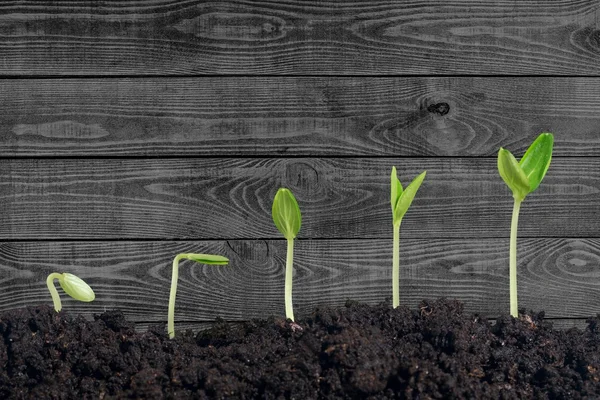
column 353, row 352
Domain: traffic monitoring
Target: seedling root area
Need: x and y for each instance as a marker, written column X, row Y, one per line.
column 357, row 351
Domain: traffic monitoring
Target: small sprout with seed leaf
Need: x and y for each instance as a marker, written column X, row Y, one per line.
column 199, row 258
column 72, row 285
column 287, row 219
column 401, row 200
column 522, row 178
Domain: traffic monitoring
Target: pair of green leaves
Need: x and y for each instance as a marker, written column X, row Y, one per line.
column 401, row 199
column 525, row 176
column 286, row 213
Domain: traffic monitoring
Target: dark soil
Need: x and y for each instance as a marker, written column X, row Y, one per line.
column 356, row 352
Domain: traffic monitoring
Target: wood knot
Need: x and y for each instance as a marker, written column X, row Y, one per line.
column 595, row 38
column 439, row 108
column 301, row 175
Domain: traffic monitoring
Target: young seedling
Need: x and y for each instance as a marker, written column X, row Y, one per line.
column 401, row 200
column 522, row 178
column 199, row 258
column 72, row 285
column 287, row 218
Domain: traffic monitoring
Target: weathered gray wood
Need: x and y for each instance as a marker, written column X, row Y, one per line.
column 309, row 37
column 559, row 276
column 566, row 323
column 282, row 116
column 232, row 198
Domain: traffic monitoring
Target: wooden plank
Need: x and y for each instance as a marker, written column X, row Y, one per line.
column 559, row 276
column 283, row 116
column 309, row 37
column 231, row 198
column 564, row 324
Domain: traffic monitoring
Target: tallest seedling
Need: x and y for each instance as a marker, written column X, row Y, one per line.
column 522, row 178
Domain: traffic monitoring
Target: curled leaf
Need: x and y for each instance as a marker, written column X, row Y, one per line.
column 209, row 259
column 76, row 287
column 286, row 213
column 536, row 161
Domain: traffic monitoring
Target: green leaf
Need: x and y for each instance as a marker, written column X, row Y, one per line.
column 76, row 287
column 407, row 197
column 286, row 213
column 396, row 191
column 209, row 259
column 537, row 159
column 512, row 173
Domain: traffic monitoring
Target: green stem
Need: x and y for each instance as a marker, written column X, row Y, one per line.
column 53, row 291
column 289, row 273
column 396, row 267
column 174, row 277
column 514, row 305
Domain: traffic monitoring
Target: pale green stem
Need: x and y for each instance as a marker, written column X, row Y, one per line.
column 289, row 274
column 53, row 291
column 514, row 305
column 174, row 277
column 396, row 267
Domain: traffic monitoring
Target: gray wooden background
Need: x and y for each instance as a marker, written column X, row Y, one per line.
column 131, row 131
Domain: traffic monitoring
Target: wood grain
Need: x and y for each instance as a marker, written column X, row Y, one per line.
column 291, row 116
column 309, row 37
column 232, row 197
column 559, row 276
column 560, row 323
column 186, row 155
